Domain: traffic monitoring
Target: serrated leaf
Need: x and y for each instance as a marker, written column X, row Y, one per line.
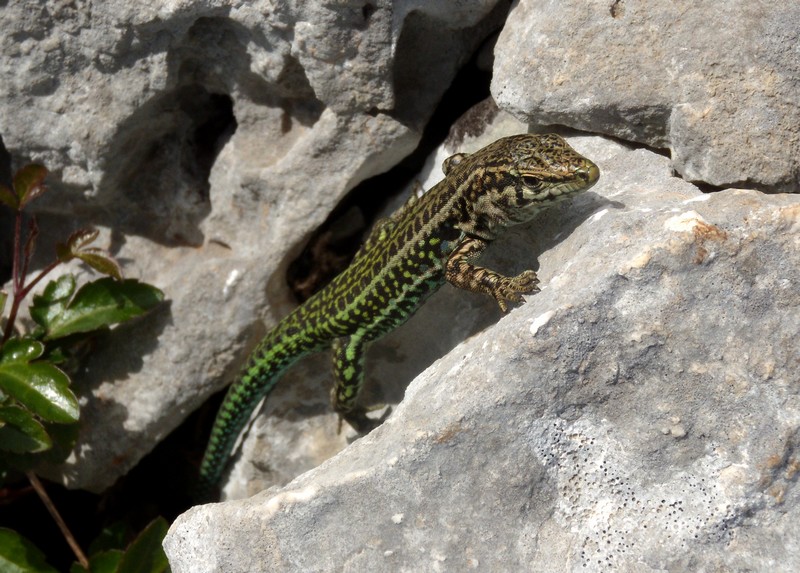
column 145, row 554
column 53, row 300
column 77, row 246
column 101, row 262
column 42, row 388
column 105, row 562
column 59, row 289
column 7, row 197
column 22, row 433
column 38, row 386
column 18, row 555
column 29, row 183
column 104, row 302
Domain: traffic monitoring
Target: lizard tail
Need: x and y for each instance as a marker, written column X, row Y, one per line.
column 258, row 377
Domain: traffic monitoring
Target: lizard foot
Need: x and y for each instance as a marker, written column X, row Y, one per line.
column 511, row 289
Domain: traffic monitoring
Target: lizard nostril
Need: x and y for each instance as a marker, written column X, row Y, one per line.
column 590, row 173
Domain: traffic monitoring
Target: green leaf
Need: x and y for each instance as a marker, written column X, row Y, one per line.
column 18, row 555
column 20, row 350
column 39, row 386
column 3, row 299
column 52, row 301
column 22, row 433
column 110, row 537
column 77, row 241
column 77, row 246
column 42, row 388
column 101, row 262
column 29, row 183
column 64, row 438
column 145, row 554
column 81, row 239
column 104, row 302
column 105, row 562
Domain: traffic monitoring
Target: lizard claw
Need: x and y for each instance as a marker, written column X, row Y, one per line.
column 511, row 289
column 527, row 282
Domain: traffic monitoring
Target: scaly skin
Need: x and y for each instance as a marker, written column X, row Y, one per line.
column 429, row 241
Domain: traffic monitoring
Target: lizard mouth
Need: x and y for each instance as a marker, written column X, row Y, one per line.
column 590, row 173
column 584, row 178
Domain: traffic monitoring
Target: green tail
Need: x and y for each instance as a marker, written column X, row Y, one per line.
column 280, row 349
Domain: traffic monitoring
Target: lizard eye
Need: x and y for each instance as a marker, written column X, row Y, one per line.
column 531, row 181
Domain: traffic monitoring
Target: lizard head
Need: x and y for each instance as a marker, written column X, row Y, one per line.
column 509, row 181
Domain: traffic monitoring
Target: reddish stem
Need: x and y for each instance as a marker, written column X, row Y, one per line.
column 43, row 273
column 18, row 278
column 15, row 280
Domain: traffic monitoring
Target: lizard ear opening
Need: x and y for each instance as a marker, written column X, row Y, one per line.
column 452, row 161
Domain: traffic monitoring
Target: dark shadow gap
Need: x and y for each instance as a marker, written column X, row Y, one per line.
column 333, row 245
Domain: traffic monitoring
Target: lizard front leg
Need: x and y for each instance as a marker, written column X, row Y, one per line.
column 461, row 273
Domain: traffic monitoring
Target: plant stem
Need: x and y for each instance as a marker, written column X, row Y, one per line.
column 19, row 273
column 43, row 273
column 15, row 280
column 12, row 316
column 19, row 296
column 48, row 503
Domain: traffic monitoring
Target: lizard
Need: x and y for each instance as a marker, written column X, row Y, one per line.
column 406, row 257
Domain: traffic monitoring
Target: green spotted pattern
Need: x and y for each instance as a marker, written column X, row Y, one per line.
column 429, row 241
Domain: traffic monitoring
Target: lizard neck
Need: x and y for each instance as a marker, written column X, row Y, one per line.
column 473, row 212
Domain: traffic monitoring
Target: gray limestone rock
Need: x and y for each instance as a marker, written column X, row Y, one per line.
column 208, row 140
column 715, row 82
column 641, row 413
